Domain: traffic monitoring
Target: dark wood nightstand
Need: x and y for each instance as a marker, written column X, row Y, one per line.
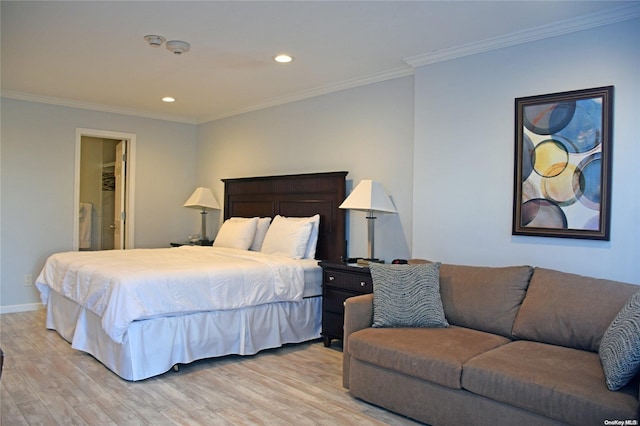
column 339, row 282
column 197, row 243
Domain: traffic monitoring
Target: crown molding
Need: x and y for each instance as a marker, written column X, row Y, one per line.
column 539, row 33
column 318, row 91
column 94, row 107
column 305, row 94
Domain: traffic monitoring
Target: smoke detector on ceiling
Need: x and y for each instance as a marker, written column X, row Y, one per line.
column 178, row 47
column 154, row 40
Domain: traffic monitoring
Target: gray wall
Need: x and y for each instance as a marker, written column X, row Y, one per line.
column 367, row 131
column 464, row 150
column 37, row 178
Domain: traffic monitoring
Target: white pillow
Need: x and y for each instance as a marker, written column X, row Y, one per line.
column 236, row 232
column 287, row 237
column 310, row 251
column 261, row 231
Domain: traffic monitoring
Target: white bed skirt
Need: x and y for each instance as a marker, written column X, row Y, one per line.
column 154, row 346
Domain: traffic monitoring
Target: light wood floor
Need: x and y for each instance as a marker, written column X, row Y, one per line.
column 45, row 382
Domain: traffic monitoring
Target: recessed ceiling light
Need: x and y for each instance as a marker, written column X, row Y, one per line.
column 283, row 59
column 168, row 99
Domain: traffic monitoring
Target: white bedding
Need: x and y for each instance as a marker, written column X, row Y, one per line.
column 122, row 286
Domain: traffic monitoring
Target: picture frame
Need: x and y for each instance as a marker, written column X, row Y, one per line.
column 562, row 173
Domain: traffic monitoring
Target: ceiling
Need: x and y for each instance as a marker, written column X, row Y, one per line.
column 92, row 54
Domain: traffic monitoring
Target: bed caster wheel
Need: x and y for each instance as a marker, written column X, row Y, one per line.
column 176, row 368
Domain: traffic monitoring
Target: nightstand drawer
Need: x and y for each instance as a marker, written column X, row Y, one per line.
column 333, row 300
column 360, row 283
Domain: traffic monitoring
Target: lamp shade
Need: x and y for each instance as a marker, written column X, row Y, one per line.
column 369, row 195
column 202, row 198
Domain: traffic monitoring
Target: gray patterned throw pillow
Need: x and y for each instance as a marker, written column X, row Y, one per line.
column 620, row 346
column 407, row 295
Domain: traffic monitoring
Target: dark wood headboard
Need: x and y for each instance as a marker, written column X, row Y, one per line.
column 299, row 195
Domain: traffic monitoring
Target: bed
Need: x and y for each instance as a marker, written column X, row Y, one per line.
column 142, row 312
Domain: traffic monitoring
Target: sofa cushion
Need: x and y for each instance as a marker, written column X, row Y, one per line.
column 620, row 347
column 483, row 298
column 562, row 383
column 433, row 354
column 407, row 296
column 569, row 310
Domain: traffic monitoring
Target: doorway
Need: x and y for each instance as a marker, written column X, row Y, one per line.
column 104, row 190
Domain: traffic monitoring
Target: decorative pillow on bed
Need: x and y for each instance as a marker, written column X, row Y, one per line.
column 236, row 232
column 261, row 231
column 287, row 237
column 620, row 346
column 407, row 295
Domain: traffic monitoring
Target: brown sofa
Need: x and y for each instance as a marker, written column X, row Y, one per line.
column 521, row 348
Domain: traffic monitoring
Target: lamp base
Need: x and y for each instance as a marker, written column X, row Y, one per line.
column 203, row 243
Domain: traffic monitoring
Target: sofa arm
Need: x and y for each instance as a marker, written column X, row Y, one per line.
column 358, row 314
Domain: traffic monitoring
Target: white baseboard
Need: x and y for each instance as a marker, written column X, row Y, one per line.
column 21, row 308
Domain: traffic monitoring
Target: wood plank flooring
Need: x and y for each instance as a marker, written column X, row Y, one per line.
column 45, row 382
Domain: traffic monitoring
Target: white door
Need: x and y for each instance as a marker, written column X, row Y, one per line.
column 119, row 216
column 124, row 176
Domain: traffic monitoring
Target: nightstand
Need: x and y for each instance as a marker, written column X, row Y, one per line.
column 339, row 282
column 196, row 243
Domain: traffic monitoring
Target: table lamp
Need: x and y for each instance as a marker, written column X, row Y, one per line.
column 369, row 196
column 202, row 198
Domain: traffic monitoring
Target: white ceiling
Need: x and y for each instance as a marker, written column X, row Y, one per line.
column 92, row 54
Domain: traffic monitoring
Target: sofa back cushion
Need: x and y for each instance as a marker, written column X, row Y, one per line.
column 483, row 298
column 569, row 310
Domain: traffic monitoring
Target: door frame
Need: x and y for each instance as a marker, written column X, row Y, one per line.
column 130, row 138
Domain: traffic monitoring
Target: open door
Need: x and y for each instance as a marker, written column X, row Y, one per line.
column 119, row 214
column 104, row 190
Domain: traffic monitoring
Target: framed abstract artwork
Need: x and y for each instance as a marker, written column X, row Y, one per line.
column 562, row 178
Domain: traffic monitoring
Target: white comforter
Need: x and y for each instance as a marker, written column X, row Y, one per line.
column 122, row 286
